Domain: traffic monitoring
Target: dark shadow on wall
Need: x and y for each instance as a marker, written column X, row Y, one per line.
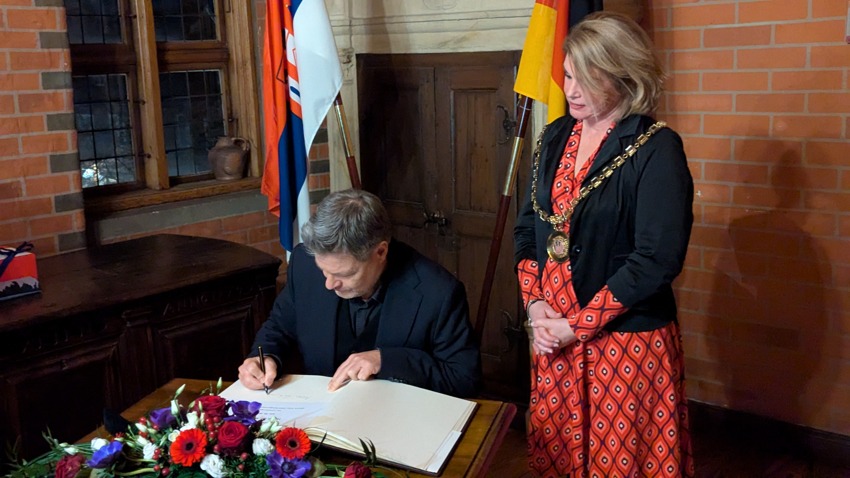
column 769, row 308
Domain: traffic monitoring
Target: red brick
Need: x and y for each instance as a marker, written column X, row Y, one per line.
column 9, row 147
column 736, row 125
column 11, row 190
column 7, row 104
column 767, row 151
column 814, row 223
column 19, row 81
column 827, row 31
column 242, row 222
column 808, row 126
column 827, row 201
column 51, row 225
column 770, row 103
column 807, row 80
column 45, row 246
column 32, row 18
column 20, row 167
column 708, row 148
column 701, row 60
column 48, row 185
column 735, row 81
column 240, row 237
column 683, row 82
column 772, row 11
column 695, row 103
column 771, row 58
column 683, row 123
column 4, row 64
column 46, row 143
column 829, row 102
column 13, row 232
column 23, row 208
column 46, row 102
column 736, row 36
column 677, row 39
column 830, row 56
column 768, row 197
column 828, row 8
column 18, row 39
column 261, row 234
column 712, row 193
column 741, row 173
column 660, row 18
column 319, row 181
column 21, row 124
column 702, row 15
column 40, row 60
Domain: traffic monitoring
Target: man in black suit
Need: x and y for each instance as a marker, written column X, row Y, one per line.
column 359, row 305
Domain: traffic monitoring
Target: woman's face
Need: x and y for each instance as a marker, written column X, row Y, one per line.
column 583, row 104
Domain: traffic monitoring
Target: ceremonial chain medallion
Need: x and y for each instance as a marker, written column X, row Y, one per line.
column 558, row 244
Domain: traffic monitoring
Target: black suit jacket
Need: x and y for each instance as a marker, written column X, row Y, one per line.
column 424, row 334
column 631, row 233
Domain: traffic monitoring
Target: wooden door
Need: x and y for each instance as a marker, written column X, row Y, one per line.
column 434, row 147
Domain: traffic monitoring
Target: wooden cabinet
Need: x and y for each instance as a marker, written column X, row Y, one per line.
column 114, row 323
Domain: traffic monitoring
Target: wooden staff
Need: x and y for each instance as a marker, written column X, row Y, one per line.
column 353, row 175
column 523, row 114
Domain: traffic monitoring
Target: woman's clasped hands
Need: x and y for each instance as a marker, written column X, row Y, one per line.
column 550, row 330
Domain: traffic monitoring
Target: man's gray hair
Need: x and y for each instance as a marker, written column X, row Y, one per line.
column 352, row 221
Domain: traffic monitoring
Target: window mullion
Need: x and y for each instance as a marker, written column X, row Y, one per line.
column 150, row 109
column 242, row 72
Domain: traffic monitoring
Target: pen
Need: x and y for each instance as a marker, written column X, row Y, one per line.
column 263, row 368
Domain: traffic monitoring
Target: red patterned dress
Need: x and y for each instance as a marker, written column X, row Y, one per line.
column 611, row 404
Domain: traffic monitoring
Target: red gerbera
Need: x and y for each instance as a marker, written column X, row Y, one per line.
column 292, row 443
column 189, row 447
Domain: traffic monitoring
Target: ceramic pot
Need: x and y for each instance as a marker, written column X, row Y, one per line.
column 229, row 157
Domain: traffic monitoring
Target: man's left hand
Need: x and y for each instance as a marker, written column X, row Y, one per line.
column 359, row 366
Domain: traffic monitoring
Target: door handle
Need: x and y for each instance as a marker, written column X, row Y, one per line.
column 435, row 218
column 507, row 124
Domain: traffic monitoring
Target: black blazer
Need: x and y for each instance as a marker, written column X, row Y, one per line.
column 424, row 333
column 631, row 233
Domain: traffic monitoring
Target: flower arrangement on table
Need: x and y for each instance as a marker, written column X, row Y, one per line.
column 211, row 437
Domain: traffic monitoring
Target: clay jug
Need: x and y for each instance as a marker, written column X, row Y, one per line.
column 229, row 157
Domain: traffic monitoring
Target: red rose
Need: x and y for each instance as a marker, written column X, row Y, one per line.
column 231, row 437
column 69, row 466
column 357, row 470
column 213, row 405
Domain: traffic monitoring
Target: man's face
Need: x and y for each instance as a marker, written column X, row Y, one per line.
column 351, row 278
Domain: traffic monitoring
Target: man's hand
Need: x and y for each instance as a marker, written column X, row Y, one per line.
column 359, row 366
column 252, row 377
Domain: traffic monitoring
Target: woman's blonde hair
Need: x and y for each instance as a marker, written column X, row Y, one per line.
column 612, row 46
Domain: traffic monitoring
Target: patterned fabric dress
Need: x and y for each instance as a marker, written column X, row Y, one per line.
column 612, row 404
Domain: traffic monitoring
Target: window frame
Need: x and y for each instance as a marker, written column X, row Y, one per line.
column 142, row 63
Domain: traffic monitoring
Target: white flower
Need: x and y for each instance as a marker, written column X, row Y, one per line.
column 71, row 450
column 149, row 450
column 192, row 421
column 175, row 408
column 141, row 427
column 98, row 443
column 142, row 440
column 173, row 435
column 270, row 425
column 262, row 447
column 213, row 465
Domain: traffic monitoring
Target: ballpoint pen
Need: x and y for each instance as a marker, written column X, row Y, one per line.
column 263, row 368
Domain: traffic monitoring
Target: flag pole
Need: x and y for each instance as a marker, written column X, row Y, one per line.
column 353, row 175
column 523, row 114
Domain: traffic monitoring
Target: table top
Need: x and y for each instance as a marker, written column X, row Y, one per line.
column 470, row 459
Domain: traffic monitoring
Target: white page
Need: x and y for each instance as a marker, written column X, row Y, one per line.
column 408, row 425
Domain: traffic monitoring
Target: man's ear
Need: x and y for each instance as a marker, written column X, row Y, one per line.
column 382, row 249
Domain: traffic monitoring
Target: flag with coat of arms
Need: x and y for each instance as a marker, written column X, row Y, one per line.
column 301, row 78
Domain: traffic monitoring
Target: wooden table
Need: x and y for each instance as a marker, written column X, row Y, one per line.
column 470, row 459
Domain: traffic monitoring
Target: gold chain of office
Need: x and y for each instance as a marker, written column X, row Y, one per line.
column 558, row 220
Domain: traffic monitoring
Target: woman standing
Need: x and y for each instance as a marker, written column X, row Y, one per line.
column 600, row 237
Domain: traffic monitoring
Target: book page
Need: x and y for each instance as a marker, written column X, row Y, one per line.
column 409, row 426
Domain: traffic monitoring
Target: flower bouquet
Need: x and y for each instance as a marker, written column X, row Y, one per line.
column 209, row 437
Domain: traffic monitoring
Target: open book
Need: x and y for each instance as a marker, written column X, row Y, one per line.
column 411, row 427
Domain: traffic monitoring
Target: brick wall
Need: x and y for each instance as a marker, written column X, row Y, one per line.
column 40, row 190
column 760, row 91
